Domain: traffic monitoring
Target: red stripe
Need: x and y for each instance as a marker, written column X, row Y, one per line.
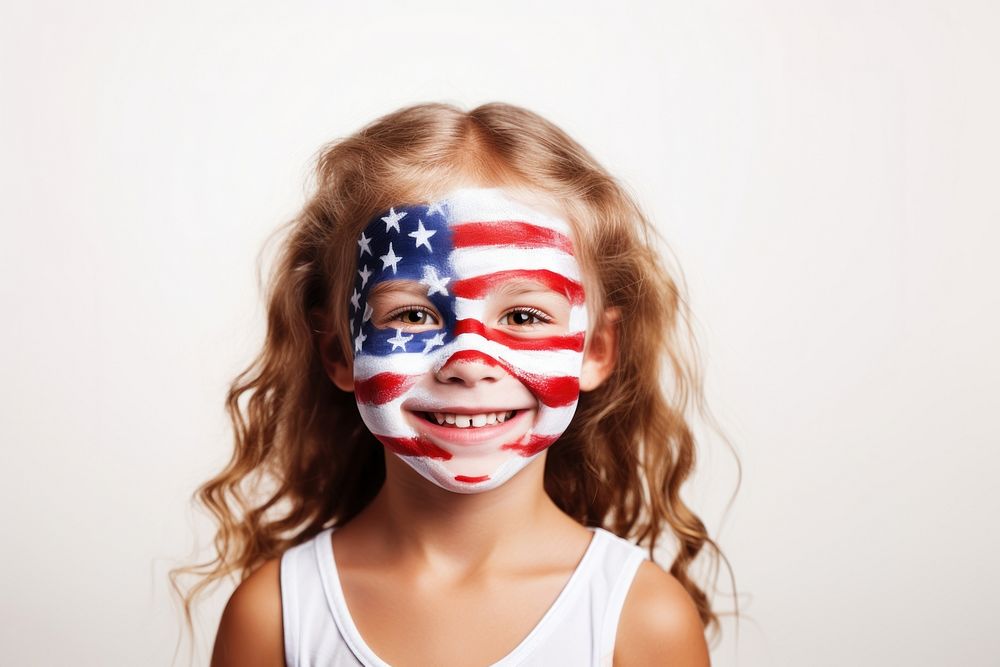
column 572, row 342
column 554, row 392
column 383, row 387
column 470, row 355
column 510, row 233
column 480, row 286
column 471, row 480
column 536, row 444
column 414, row 447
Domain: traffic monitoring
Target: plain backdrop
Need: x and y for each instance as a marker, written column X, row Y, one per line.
column 826, row 175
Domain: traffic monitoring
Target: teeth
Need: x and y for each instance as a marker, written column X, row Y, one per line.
column 471, row 421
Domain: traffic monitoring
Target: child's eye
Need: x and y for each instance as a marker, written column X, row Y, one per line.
column 525, row 317
column 413, row 315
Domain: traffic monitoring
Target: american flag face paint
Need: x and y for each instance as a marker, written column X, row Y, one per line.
column 468, row 324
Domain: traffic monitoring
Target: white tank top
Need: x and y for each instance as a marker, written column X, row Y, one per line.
column 578, row 629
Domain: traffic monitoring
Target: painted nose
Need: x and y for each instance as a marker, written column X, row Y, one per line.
column 469, row 367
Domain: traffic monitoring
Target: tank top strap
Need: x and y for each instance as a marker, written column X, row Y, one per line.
column 611, row 583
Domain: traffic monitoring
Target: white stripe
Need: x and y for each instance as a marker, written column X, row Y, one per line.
column 551, row 363
column 406, row 363
column 385, row 419
column 482, row 260
column 494, row 205
column 554, row 421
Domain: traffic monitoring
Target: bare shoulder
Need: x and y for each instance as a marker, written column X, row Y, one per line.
column 250, row 631
column 659, row 624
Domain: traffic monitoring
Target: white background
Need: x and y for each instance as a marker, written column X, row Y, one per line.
column 826, row 173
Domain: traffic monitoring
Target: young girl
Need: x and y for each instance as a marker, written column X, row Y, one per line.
column 461, row 412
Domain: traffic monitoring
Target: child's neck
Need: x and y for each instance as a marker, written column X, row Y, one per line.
column 459, row 533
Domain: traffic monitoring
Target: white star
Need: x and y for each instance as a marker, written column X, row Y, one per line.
column 390, row 259
column 433, row 282
column 355, row 299
column 392, row 220
column 421, row 235
column 399, row 340
column 363, row 242
column 436, row 206
column 433, row 341
column 359, row 340
column 368, row 314
column 363, row 274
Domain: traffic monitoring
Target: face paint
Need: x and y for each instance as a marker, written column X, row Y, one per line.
column 467, row 311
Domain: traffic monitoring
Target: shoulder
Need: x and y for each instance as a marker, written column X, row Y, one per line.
column 250, row 631
column 659, row 623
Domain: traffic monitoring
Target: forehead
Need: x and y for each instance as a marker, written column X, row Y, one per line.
column 469, row 232
column 471, row 213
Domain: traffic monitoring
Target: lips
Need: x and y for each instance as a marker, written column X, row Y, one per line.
column 500, row 432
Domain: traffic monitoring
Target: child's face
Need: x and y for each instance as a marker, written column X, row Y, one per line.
column 468, row 324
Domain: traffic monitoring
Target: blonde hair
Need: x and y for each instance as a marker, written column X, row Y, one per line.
column 623, row 460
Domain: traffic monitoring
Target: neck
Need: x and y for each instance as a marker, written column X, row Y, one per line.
column 456, row 531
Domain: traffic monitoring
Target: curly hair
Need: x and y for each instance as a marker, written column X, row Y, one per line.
column 623, row 460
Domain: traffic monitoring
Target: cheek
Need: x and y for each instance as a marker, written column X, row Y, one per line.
column 551, row 391
column 382, row 387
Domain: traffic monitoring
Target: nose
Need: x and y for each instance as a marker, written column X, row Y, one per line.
column 469, row 367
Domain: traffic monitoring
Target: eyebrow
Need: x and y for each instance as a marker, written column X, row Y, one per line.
column 411, row 286
column 514, row 287
column 522, row 286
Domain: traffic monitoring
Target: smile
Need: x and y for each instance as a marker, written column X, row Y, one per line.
column 469, row 421
column 469, row 428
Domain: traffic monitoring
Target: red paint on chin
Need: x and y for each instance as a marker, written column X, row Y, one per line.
column 471, row 480
column 554, row 392
column 383, row 387
column 535, row 444
column 414, row 447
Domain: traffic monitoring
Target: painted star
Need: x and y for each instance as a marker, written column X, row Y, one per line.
column 435, row 284
column 399, row 340
column 433, row 341
column 364, row 242
column 364, row 274
column 392, row 220
column 421, row 235
column 436, row 206
column 390, row 259
column 355, row 299
column 359, row 341
column 368, row 314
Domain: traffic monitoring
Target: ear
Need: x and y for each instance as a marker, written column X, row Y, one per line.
column 340, row 372
column 601, row 351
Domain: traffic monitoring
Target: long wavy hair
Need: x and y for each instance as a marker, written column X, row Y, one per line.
column 303, row 459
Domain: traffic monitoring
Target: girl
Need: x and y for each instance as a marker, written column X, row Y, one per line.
column 460, row 410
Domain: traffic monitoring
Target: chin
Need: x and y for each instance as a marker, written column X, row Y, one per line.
column 440, row 474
